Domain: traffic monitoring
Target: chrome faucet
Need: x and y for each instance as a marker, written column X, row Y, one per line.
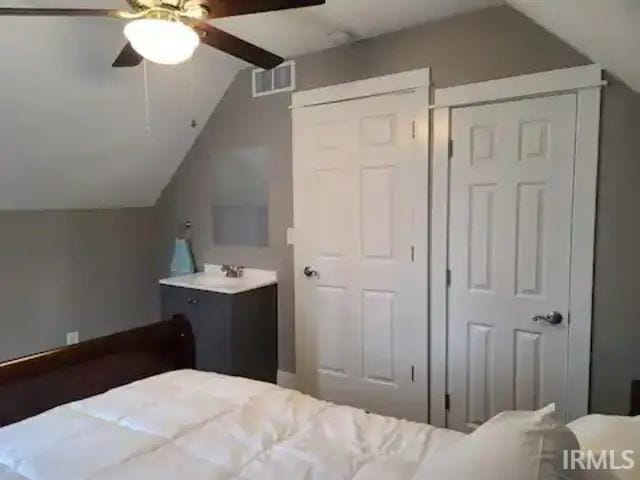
column 232, row 271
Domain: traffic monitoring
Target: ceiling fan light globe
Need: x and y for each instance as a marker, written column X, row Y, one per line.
column 168, row 42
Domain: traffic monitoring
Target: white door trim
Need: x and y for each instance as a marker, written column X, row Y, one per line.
column 536, row 84
column 585, row 82
column 370, row 87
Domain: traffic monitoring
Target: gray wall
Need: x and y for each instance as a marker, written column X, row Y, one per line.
column 92, row 271
column 489, row 44
column 616, row 324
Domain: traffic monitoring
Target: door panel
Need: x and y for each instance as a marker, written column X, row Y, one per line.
column 377, row 212
column 479, row 372
column 332, row 334
column 377, row 325
column 360, row 207
column 509, row 253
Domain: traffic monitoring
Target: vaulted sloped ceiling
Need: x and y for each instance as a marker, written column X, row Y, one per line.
column 606, row 31
column 74, row 131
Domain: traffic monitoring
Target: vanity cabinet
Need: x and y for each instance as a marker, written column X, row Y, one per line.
column 235, row 334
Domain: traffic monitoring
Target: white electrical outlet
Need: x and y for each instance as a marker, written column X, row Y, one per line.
column 72, row 338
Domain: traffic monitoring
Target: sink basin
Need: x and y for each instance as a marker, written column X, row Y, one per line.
column 213, row 280
column 217, row 282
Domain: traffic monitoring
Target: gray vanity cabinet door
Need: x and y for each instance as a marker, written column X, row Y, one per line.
column 174, row 301
column 209, row 315
column 254, row 337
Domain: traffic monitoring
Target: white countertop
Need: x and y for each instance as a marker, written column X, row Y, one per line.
column 214, row 280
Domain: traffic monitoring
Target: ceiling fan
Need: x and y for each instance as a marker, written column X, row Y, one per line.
column 169, row 31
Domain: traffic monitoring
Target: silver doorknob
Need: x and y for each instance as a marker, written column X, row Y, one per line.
column 309, row 272
column 554, row 318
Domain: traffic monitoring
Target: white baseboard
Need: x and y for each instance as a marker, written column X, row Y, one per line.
column 287, row 379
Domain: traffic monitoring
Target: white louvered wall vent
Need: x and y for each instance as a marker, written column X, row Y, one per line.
column 280, row 79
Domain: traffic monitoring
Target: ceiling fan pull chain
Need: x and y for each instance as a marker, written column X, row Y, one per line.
column 192, row 93
column 147, row 111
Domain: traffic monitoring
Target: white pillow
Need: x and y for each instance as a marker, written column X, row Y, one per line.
column 598, row 433
column 510, row 446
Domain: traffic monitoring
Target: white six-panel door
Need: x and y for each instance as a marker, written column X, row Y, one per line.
column 509, row 255
column 360, row 199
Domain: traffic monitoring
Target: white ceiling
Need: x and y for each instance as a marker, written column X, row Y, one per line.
column 301, row 31
column 73, row 130
column 606, row 31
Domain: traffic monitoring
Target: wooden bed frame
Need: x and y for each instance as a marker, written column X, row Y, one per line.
column 34, row 384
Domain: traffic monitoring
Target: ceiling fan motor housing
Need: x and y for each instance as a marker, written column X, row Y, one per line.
column 197, row 9
column 184, row 5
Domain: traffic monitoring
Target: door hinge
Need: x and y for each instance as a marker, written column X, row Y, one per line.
column 413, row 374
column 448, row 277
column 413, row 253
column 447, row 402
column 413, row 129
column 450, row 148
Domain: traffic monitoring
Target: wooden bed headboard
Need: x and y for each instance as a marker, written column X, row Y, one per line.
column 34, row 384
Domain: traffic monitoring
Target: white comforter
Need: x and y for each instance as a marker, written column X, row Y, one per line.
column 193, row 425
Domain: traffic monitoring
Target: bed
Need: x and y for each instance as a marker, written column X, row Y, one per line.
column 130, row 407
column 195, row 425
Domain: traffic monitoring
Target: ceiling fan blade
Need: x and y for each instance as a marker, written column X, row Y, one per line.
column 229, row 8
column 60, row 12
column 237, row 47
column 128, row 57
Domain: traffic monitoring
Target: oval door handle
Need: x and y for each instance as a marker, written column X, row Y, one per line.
column 310, row 272
column 554, row 318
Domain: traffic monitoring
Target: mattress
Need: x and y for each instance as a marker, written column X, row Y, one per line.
column 194, row 426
